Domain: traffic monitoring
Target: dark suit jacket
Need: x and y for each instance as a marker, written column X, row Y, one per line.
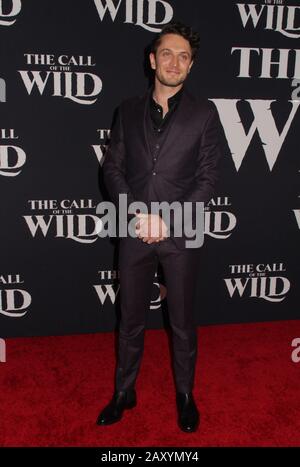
column 187, row 164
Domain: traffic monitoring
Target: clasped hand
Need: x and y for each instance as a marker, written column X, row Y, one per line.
column 150, row 228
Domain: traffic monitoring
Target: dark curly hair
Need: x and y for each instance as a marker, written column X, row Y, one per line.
column 182, row 30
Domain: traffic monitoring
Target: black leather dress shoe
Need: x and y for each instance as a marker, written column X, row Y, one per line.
column 188, row 414
column 113, row 412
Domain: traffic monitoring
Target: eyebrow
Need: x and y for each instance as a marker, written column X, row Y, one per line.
column 182, row 51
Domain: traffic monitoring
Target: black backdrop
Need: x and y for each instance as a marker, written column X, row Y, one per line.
column 65, row 67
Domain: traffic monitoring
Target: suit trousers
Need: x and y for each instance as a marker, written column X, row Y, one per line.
column 138, row 263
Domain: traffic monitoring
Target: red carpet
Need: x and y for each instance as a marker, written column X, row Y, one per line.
column 247, row 390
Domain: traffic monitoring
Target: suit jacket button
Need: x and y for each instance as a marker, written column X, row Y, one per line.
column 153, row 173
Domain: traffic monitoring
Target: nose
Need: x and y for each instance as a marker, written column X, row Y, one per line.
column 174, row 62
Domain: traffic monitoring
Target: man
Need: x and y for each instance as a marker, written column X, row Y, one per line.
column 164, row 147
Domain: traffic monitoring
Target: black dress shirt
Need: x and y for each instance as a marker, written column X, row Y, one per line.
column 156, row 111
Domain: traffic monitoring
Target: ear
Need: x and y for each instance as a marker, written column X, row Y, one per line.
column 191, row 64
column 152, row 60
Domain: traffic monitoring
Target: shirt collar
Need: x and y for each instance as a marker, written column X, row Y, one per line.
column 171, row 101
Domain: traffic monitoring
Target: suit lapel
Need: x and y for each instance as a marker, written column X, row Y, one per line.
column 144, row 117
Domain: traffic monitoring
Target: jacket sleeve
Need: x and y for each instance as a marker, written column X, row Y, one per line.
column 209, row 154
column 207, row 164
column 114, row 165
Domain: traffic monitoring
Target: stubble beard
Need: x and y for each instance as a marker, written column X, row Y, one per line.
column 170, row 83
